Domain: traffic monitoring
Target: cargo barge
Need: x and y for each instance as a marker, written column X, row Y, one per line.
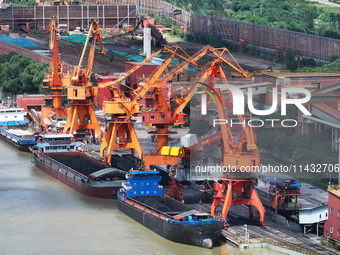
column 141, row 198
column 21, row 142
column 66, row 161
column 13, row 129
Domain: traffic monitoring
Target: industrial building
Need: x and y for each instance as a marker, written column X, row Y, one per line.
column 332, row 225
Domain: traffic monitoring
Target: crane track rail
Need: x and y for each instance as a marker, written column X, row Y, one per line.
column 278, row 234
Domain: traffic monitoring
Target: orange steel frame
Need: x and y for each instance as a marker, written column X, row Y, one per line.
column 81, row 114
column 55, row 80
column 276, row 200
column 231, row 152
column 79, row 117
column 234, row 155
column 237, row 192
column 121, row 133
column 163, row 129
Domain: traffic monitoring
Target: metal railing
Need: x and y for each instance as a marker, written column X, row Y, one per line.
column 288, row 246
column 300, row 72
column 333, row 187
column 60, row 165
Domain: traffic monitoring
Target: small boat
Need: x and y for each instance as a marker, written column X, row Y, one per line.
column 13, row 129
column 67, row 162
column 141, row 198
column 19, row 139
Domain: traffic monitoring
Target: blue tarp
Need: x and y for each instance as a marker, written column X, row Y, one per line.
column 20, row 41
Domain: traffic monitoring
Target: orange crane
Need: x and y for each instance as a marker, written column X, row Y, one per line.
column 176, row 116
column 244, row 153
column 163, row 118
column 55, row 80
column 81, row 93
column 110, row 142
column 121, row 133
column 237, row 188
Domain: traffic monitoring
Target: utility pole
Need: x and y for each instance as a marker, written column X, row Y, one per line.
column 246, row 240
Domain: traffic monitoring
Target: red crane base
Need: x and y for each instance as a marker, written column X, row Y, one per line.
column 237, row 192
column 175, row 190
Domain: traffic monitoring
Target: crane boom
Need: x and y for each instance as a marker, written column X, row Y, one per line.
column 174, row 52
column 56, row 64
column 81, row 93
column 78, row 72
column 182, row 67
column 129, row 72
column 234, row 65
column 55, row 80
column 75, row 76
column 145, row 86
column 158, row 72
column 96, row 38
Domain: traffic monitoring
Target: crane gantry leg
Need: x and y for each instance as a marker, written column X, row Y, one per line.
column 237, row 192
column 82, row 116
column 120, row 134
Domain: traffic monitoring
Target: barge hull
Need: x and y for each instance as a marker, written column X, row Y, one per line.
column 77, row 183
column 182, row 233
column 16, row 145
column 19, row 147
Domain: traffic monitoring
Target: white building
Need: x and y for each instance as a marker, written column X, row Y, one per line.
column 312, row 216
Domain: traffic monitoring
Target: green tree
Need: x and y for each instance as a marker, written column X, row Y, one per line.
column 295, row 15
column 20, row 74
column 33, row 76
column 309, row 13
column 331, row 67
column 24, row 2
column 199, row 127
column 10, row 73
column 94, row 80
column 335, row 20
column 291, row 62
column 229, row 13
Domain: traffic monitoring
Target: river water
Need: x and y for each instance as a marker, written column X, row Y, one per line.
column 39, row 215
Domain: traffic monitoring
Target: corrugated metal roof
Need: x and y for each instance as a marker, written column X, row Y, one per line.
column 328, row 110
column 335, row 192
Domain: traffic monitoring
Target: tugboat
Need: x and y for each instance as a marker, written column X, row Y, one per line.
column 141, row 198
column 13, row 129
column 67, row 162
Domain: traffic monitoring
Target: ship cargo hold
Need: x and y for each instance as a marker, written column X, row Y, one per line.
column 141, row 198
column 19, row 139
column 62, row 159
